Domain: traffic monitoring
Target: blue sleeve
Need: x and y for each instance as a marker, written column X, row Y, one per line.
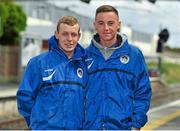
column 28, row 89
column 142, row 93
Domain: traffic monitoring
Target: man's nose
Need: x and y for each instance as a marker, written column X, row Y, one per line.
column 106, row 27
column 69, row 37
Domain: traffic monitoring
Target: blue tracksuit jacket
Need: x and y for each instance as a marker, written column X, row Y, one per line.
column 51, row 93
column 118, row 89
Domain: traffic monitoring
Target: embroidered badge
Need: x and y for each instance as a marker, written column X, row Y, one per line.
column 124, row 59
column 80, row 72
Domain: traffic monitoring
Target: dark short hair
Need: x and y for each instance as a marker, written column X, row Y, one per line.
column 106, row 8
column 69, row 20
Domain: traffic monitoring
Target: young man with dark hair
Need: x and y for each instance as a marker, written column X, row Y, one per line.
column 118, row 88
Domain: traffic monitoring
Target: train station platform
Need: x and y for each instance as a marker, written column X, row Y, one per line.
column 164, row 117
column 161, row 113
column 7, row 90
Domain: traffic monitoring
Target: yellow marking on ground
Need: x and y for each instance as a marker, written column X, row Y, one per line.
column 157, row 123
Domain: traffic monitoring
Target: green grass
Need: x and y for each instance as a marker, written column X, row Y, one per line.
column 152, row 65
column 170, row 73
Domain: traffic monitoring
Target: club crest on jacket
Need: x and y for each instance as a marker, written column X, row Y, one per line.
column 80, row 72
column 124, row 59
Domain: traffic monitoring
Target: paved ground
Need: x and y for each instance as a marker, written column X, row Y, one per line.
column 171, row 125
column 164, row 117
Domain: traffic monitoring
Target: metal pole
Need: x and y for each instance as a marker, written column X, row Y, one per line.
column 159, row 66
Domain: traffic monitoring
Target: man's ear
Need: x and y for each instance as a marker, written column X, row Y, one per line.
column 79, row 35
column 119, row 24
column 56, row 34
column 94, row 23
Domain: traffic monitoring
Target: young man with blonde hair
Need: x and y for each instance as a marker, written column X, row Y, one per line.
column 51, row 93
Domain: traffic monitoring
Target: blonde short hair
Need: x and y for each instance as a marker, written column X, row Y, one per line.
column 69, row 20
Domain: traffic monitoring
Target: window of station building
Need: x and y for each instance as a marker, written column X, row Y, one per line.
column 141, row 36
column 46, row 15
column 34, row 13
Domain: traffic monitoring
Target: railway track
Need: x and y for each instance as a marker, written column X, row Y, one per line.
column 16, row 123
column 9, row 116
column 7, row 98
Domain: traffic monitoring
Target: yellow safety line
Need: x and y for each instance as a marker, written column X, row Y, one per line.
column 162, row 121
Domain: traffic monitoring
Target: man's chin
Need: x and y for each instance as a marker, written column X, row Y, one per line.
column 70, row 50
column 107, row 37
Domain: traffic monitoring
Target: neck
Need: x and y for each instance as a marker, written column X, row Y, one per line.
column 69, row 54
column 108, row 43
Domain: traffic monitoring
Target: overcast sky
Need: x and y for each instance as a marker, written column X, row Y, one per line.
column 143, row 16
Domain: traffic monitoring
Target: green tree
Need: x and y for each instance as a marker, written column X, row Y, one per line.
column 13, row 21
column 3, row 17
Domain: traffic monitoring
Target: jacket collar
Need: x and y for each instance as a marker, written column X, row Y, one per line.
column 79, row 52
column 123, row 47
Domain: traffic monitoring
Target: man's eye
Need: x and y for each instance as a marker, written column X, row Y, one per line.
column 64, row 34
column 73, row 34
column 110, row 23
column 100, row 23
